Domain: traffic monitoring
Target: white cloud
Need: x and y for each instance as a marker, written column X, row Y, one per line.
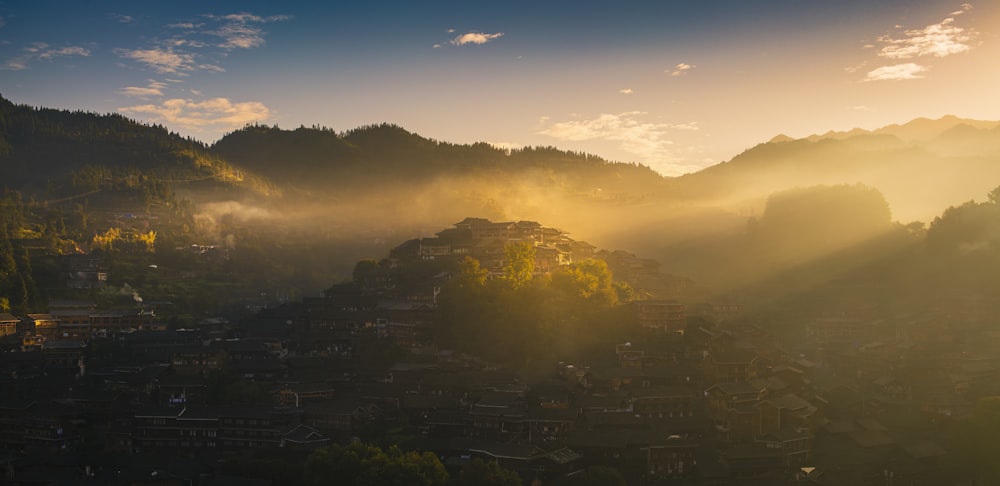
column 15, row 64
column 896, row 72
column 242, row 30
column 125, row 19
column 680, row 69
column 649, row 141
column 161, row 60
column 154, row 88
column 859, row 108
column 626, row 91
column 938, row 40
column 41, row 50
column 197, row 46
column 964, row 8
column 64, row 51
column 475, row 38
column 211, row 113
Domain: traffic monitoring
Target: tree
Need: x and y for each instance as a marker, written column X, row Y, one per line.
column 364, row 269
column 589, row 280
column 471, row 275
column 975, row 444
column 598, row 476
column 364, row 464
column 518, row 263
column 486, row 473
column 803, row 224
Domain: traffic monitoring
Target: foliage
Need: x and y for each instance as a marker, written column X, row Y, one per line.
column 518, row 263
column 966, row 229
column 364, row 464
column 478, row 472
column 276, row 470
column 598, row 476
column 18, row 289
column 129, row 240
column 976, row 443
column 567, row 313
column 801, row 224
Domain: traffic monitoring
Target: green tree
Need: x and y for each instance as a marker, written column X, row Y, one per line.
column 485, row 473
column 590, row 280
column 471, row 275
column 518, row 263
column 363, row 464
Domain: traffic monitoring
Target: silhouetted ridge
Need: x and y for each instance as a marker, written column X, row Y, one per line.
column 42, row 146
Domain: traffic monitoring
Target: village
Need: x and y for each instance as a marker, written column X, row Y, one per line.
column 702, row 393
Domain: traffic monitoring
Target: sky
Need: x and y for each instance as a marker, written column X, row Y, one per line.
column 674, row 85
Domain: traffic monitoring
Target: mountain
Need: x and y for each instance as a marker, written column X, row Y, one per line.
column 921, row 166
column 380, row 184
column 319, row 159
column 915, row 131
column 45, row 148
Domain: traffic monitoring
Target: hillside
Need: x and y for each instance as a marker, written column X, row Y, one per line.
column 921, row 166
column 308, row 190
column 43, row 149
column 317, row 159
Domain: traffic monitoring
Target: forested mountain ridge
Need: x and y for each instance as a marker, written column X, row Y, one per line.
column 66, row 152
column 945, row 161
column 318, row 158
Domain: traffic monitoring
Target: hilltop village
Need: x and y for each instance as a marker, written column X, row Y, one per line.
column 700, row 392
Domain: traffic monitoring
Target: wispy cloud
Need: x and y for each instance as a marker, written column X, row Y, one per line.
column 680, row 69
column 191, row 46
column 42, row 51
column 211, row 113
column 477, row 38
column 964, row 8
column 626, row 91
column 154, row 88
column 649, row 141
column 905, row 71
column 242, row 30
column 938, row 40
column 124, row 19
column 933, row 41
column 161, row 60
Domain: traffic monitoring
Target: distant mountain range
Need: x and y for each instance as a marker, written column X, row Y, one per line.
column 921, row 166
column 382, row 183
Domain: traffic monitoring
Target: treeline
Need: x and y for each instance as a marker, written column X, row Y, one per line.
column 43, row 148
column 363, row 464
column 18, row 291
column 311, row 157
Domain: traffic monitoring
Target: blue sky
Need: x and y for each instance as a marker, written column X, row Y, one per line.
column 673, row 85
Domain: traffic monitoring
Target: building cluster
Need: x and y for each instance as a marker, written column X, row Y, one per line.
column 485, row 240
